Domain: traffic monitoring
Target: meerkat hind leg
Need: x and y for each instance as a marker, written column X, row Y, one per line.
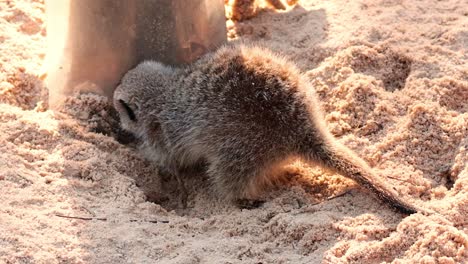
column 241, row 180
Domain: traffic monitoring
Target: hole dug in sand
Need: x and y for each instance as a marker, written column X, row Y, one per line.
column 384, row 64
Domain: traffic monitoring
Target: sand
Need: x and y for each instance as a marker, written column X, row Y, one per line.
column 393, row 80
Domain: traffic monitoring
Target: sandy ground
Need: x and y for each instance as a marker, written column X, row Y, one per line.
column 393, row 79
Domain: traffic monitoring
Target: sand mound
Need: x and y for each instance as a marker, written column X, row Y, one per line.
column 392, row 77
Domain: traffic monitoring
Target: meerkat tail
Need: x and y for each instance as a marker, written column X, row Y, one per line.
column 342, row 160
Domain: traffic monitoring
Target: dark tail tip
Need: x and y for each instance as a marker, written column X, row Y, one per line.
column 404, row 209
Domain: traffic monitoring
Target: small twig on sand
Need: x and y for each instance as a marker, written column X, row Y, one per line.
column 105, row 219
column 81, row 218
column 339, row 195
column 308, row 208
column 334, row 196
column 398, row 179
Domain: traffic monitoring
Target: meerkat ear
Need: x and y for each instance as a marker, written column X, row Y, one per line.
column 129, row 110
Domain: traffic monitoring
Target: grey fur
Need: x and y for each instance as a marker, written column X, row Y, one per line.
column 243, row 111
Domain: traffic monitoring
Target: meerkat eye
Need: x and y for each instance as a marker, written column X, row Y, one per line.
column 129, row 110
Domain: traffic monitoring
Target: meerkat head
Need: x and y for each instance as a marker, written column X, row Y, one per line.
column 136, row 88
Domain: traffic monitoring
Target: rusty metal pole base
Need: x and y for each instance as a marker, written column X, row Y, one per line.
column 91, row 44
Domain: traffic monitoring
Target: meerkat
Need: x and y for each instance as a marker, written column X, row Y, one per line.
column 243, row 111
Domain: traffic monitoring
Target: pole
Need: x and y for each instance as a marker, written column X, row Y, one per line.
column 92, row 44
